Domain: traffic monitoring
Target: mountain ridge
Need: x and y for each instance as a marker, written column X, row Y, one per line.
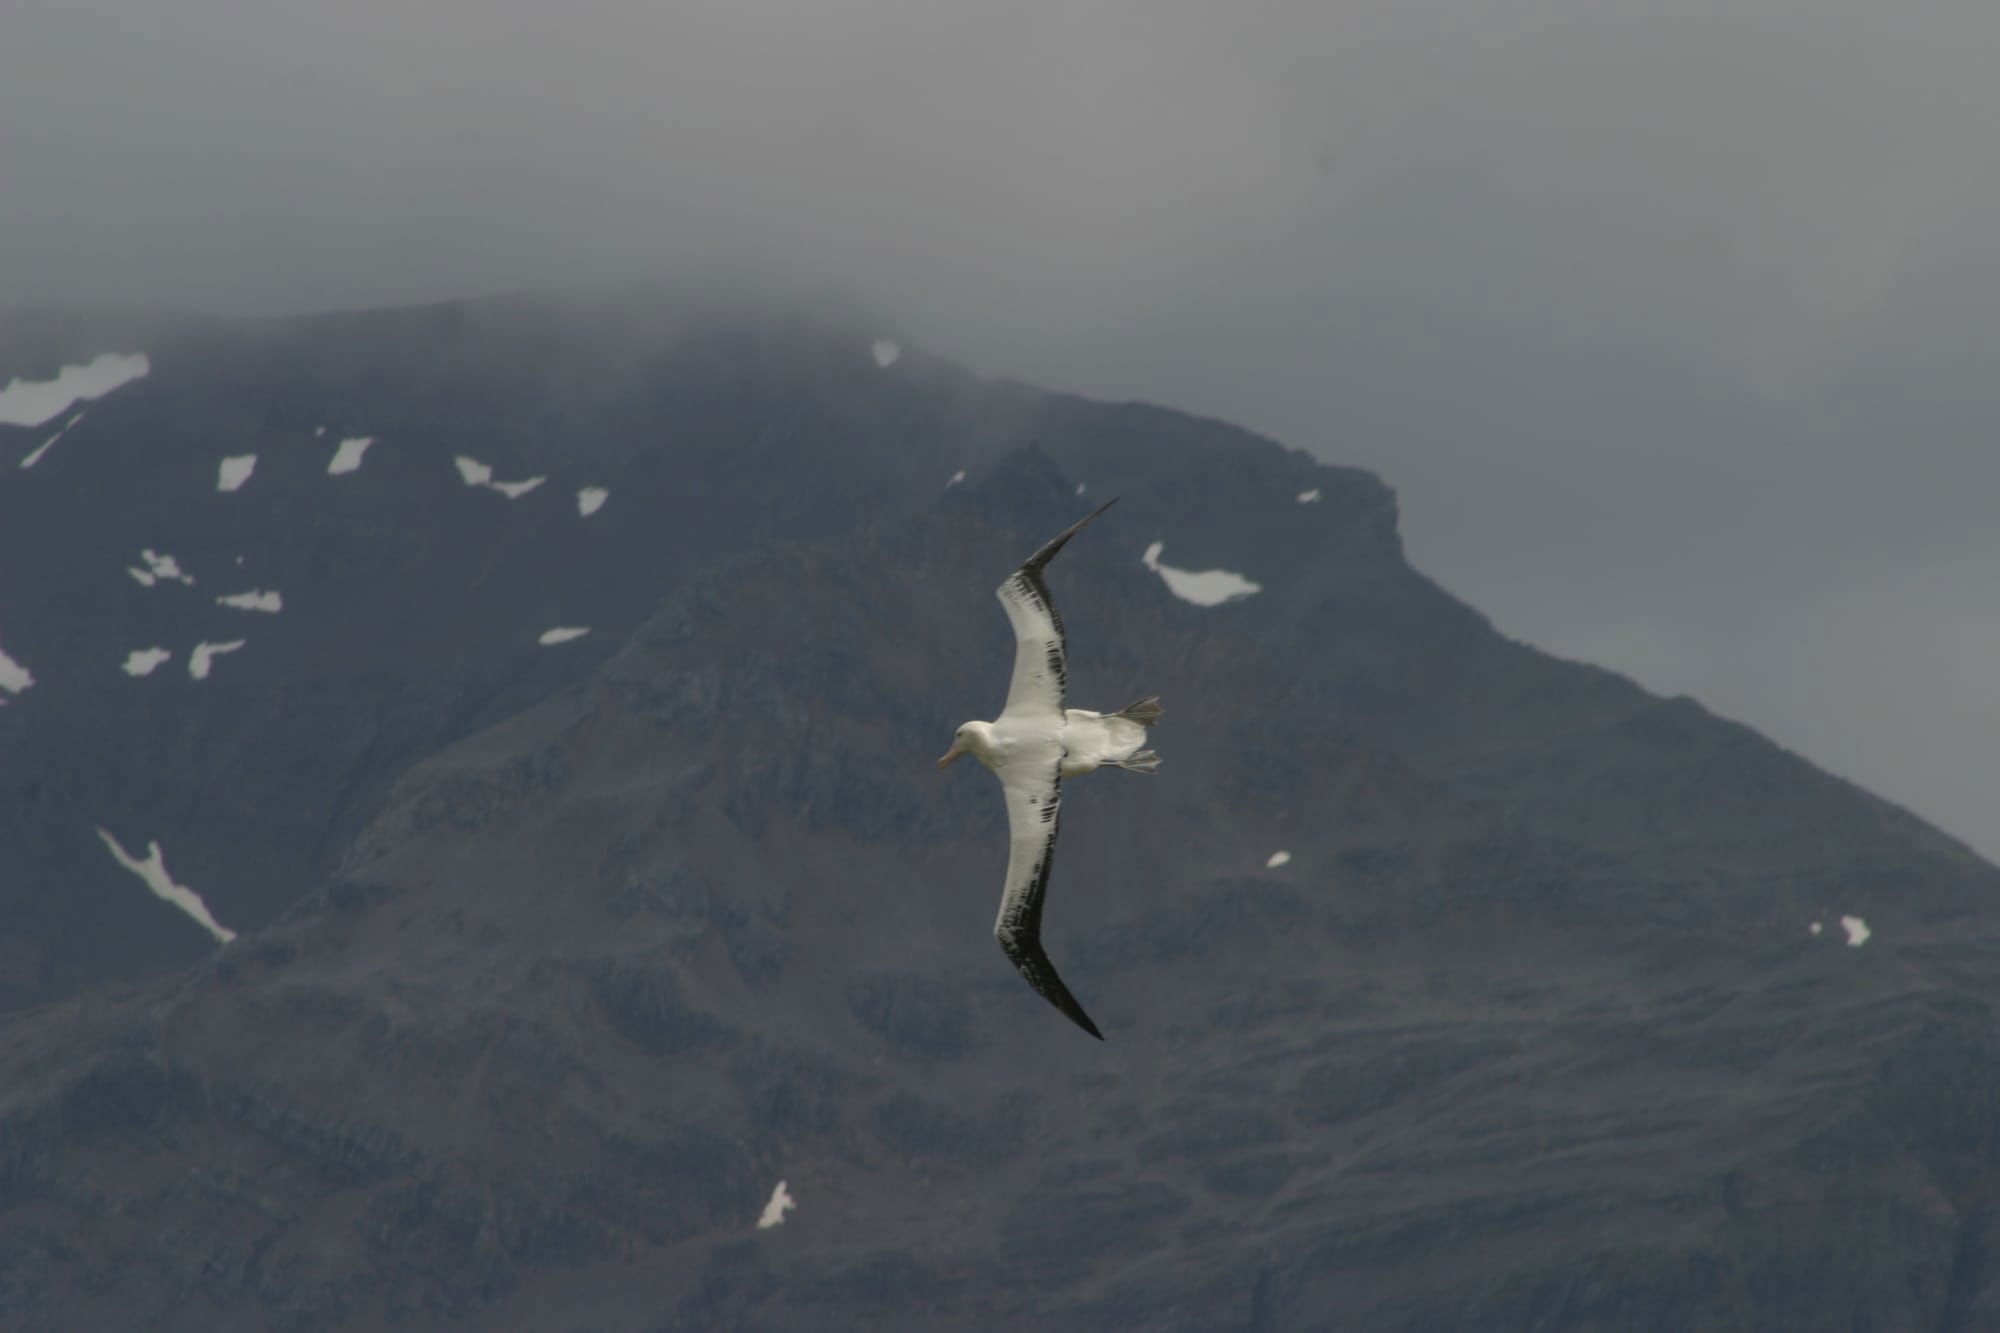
column 1530, row 1029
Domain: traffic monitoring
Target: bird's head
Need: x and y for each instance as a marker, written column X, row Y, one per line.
column 973, row 738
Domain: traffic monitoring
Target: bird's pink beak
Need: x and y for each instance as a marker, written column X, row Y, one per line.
column 954, row 752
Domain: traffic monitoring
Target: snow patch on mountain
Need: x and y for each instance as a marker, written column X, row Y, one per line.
column 234, row 471
column 203, row 657
column 158, row 567
column 1857, row 931
column 35, row 454
column 562, row 634
column 477, row 473
column 257, row 599
column 33, row 402
column 1278, row 859
column 153, row 870
column 144, row 661
column 774, row 1211
column 1206, row 587
column 347, row 458
column 886, row 353
column 14, row 677
column 1310, row 497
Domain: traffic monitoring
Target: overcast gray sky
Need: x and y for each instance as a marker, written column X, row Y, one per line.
column 1672, row 322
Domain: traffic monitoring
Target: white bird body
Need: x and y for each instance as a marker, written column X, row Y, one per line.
column 1084, row 741
column 1092, row 740
column 1031, row 747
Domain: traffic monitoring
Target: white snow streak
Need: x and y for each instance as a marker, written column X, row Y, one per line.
column 774, row 1211
column 153, row 870
column 954, row 479
column 591, row 499
column 562, row 634
column 33, row 402
column 1310, row 497
column 1278, row 859
column 1816, row 927
column 204, row 655
column 143, row 661
column 234, row 471
column 347, row 458
column 257, row 599
column 1207, row 587
column 1857, row 931
column 886, row 353
column 35, row 454
column 514, row 490
column 318, row 431
column 13, row 676
column 1079, row 488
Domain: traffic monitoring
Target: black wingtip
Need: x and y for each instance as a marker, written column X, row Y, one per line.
column 1074, row 1012
column 1055, row 544
column 1032, row 962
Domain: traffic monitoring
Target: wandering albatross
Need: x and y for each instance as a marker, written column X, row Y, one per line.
column 1031, row 747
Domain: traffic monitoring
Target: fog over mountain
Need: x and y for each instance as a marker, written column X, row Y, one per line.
column 1668, row 321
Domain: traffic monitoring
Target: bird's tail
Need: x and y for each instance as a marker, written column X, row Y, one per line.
column 1144, row 711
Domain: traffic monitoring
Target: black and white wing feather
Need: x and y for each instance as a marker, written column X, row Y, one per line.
column 1041, row 673
column 1034, row 805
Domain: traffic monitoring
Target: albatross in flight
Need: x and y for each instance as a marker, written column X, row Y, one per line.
column 1031, row 747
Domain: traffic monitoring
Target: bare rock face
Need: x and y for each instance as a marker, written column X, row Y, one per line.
column 411, row 604
column 552, row 967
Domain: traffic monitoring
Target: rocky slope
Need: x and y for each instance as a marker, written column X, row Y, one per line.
column 1528, row 1030
column 410, row 604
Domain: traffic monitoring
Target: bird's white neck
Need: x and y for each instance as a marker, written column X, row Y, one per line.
column 979, row 741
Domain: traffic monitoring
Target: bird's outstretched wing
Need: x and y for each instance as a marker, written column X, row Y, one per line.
column 1034, row 803
column 1041, row 673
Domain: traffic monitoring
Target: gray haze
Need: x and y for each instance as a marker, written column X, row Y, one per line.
column 1673, row 323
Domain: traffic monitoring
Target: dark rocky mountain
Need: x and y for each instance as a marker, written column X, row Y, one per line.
column 412, row 602
column 556, row 960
